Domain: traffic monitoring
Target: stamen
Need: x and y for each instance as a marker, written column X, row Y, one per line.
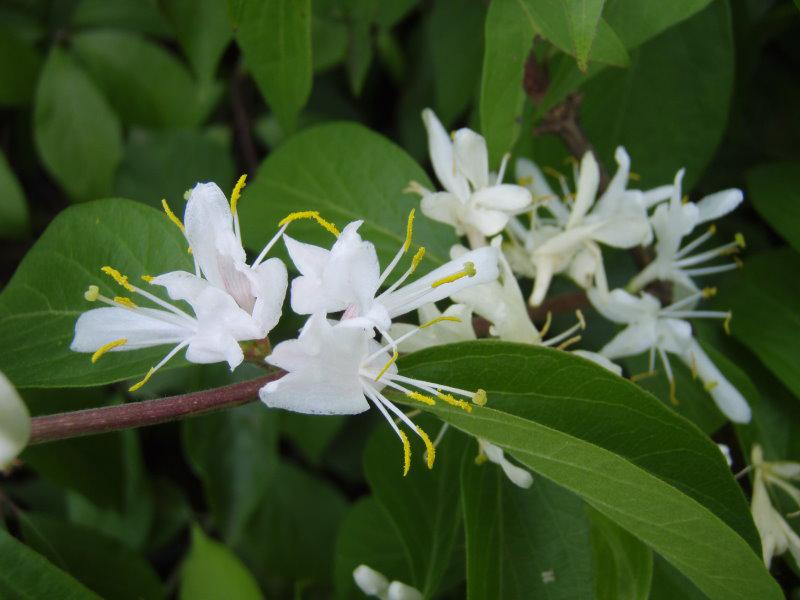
column 388, row 364
column 713, row 270
column 547, row 322
column 430, row 449
column 698, row 314
column 726, row 325
column 672, row 397
column 421, row 398
column 310, row 214
column 634, row 176
column 415, row 187
column 641, row 376
column 92, row 293
column 479, row 397
column 163, row 361
column 237, row 192
column 441, row 433
column 453, row 401
column 710, row 385
column 118, row 277
column 147, row 278
column 567, row 343
column 694, row 367
column 417, row 258
column 696, row 242
column 467, row 271
column 409, row 230
column 670, row 376
column 106, row 347
column 524, row 181
column 709, row 292
column 127, row 302
column 406, row 452
column 139, row 384
column 172, row 216
column 439, row 320
column 739, row 238
column 503, row 164
column 481, row 458
column 581, row 319
column 377, row 400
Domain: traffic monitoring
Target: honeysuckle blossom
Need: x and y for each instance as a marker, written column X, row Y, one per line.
column 567, row 241
column 494, row 454
column 348, row 278
column 664, row 330
column 334, row 369
column 674, row 220
column 231, row 301
column 777, row 536
column 15, row 423
column 373, row 583
column 474, row 201
column 449, row 332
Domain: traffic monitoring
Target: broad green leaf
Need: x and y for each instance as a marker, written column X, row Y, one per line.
column 203, row 30
column 25, row 574
column 670, row 107
column 359, row 55
column 19, row 66
column 424, row 505
column 507, row 40
column 347, row 172
column 14, row 217
column 132, row 15
column 234, row 454
column 774, row 190
column 668, row 583
column 583, row 18
column 617, row 447
column 623, row 566
column 42, row 301
column 212, row 571
column 523, row 543
column 455, row 37
column 144, row 83
column 309, row 433
column 368, row 537
column 763, row 298
column 165, row 164
column 329, row 38
column 77, row 134
column 636, row 21
column 275, row 38
column 102, row 564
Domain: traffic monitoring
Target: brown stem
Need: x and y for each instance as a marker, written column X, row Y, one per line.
column 67, row 425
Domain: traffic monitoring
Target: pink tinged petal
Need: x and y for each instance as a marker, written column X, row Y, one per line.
column 440, row 148
column 633, row 340
column 218, row 312
column 719, row 204
column 588, row 182
column 143, row 328
column 471, row 156
column 443, row 207
column 15, row 423
column 505, row 196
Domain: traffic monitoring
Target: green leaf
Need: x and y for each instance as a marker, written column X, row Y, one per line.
column 234, row 454
column 165, row 164
column 26, row 574
column 424, row 506
column 359, row 55
column 19, row 66
column 517, row 538
column 14, row 217
column 275, row 38
column 311, row 434
column 687, row 73
column 508, row 40
column 329, row 38
column 636, row 21
column 583, row 17
column 615, row 446
column 368, row 537
column 102, row 564
column 347, row 172
column 212, row 571
column 763, row 298
column 131, row 15
column 623, row 566
column 669, row 584
column 203, row 30
column 145, row 84
column 774, row 190
column 39, row 306
column 77, row 135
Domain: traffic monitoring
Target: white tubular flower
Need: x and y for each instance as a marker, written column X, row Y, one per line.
column 567, row 241
column 15, row 423
column 494, row 454
column 777, row 536
column 449, row 333
column 664, row 330
column 474, row 202
column 402, row 591
column 373, row 583
column 337, row 369
column 675, row 220
column 348, row 277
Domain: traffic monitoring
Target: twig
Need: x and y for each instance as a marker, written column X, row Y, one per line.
column 241, row 119
column 67, row 425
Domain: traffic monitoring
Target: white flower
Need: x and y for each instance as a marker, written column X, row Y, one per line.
column 567, row 241
column 373, row 583
column 777, row 536
column 473, row 201
column 348, row 277
column 339, row 370
column 675, row 220
column 600, row 360
column 15, row 423
column 449, row 333
column 494, row 454
column 231, row 301
column 726, row 452
column 663, row 330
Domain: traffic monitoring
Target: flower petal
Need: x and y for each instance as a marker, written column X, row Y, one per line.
column 588, row 182
column 634, row 339
column 505, row 196
column 269, row 282
column 15, row 423
column 443, row 207
column 599, row 359
column 719, row 204
column 518, row 476
column 143, row 328
column 440, row 148
column 472, row 158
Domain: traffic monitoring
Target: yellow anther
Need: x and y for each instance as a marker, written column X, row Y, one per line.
column 439, row 320
column 147, row 278
column 453, row 401
column 406, row 452
column 187, row 194
column 147, row 377
column 738, row 262
column 634, row 176
column 106, row 347
column 570, row 160
column 726, row 325
column 415, row 187
column 388, row 364
column 189, row 250
column 479, row 398
column 739, row 238
column 567, row 343
column 172, row 216
column 544, row 198
column 409, row 230
column 430, row 449
column 547, row 322
column 552, row 172
column 712, row 229
column 709, row 292
column 421, row 398
column 581, row 319
column 672, row 397
column 309, row 214
column 481, row 457
column 710, row 385
column 417, row 258
column 685, row 199
column 641, row 376
column 237, row 192
column 92, row 293
column 118, row 277
column 467, row 271
column 694, row 367
column 524, row 181
column 124, row 301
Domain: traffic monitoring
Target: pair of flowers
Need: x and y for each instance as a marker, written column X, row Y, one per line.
column 333, row 367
